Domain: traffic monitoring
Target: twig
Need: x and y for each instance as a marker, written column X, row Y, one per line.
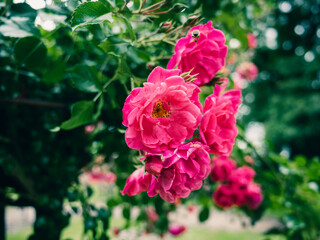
column 154, row 5
column 36, row 103
column 142, row 2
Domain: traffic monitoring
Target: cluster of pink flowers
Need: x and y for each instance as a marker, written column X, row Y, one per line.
column 236, row 185
column 163, row 116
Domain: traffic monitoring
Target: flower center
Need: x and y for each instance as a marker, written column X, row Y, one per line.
column 160, row 110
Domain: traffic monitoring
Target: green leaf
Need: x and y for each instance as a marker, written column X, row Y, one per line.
column 81, row 114
column 114, row 45
column 129, row 27
column 87, row 78
column 30, row 51
column 13, row 29
column 55, row 73
column 204, row 214
column 90, row 13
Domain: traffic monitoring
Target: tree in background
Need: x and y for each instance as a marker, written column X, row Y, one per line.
column 286, row 94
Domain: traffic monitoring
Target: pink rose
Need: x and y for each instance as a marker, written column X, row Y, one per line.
column 162, row 114
column 137, row 182
column 222, row 168
column 177, row 230
column 98, row 175
column 253, row 195
column 153, row 164
column 229, row 195
column 252, row 41
column 242, row 176
column 203, row 50
column 218, row 126
column 224, row 196
column 247, row 71
column 182, row 173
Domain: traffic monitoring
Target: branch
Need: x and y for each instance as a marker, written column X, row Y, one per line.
column 34, row 103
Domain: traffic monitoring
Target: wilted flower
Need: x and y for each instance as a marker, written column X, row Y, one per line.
column 177, row 230
column 218, row 126
column 162, row 114
column 203, row 50
column 137, row 182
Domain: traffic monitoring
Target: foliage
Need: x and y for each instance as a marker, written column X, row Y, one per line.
column 76, row 66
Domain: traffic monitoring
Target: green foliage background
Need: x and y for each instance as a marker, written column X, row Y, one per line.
column 54, row 82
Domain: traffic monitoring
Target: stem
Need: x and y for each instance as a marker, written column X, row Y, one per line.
column 132, row 83
column 168, row 41
column 151, row 10
column 6, row 8
column 124, row 6
column 142, row 2
column 103, row 66
column 105, row 86
column 150, row 35
column 153, row 5
column 37, row 103
column 157, row 13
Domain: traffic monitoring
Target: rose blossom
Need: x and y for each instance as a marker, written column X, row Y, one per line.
column 98, row 175
column 252, row 41
column 223, row 196
column 162, row 114
column 218, row 126
column 137, row 182
column 153, row 164
column 222, row 168
column 242, row 176
column 203, row 50
column 247, row 71
column 253, row 195
column 182, row 173
column 239, row 190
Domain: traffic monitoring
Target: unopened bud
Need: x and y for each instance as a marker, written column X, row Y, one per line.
column 165, row 27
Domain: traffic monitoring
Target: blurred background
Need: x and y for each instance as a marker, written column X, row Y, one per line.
column 66, row 69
